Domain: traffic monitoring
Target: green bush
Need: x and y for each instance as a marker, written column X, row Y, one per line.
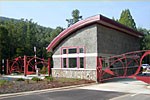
column 49, row 78
column 36, row 79
column 20, row 79
column 44, row 70
column 3, row 82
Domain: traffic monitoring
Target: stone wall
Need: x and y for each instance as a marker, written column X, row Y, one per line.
column 75, row 73
column 111, row 41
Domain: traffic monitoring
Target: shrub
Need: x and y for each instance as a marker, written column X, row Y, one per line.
column 20, row 79
column 44, row 70
column 49, row 78
column 36, row 79
column 3, row 82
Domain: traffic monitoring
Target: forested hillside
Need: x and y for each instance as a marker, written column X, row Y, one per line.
column 18, row 38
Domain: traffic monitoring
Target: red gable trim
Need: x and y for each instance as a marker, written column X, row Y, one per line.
column 94, row 19
column 121, row 26
column 72, row 28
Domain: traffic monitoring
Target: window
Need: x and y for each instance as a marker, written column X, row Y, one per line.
column 81, row 50
column 64, row 63
column 73, row 50
column 64, row 51
column 72, row 62
column 81, row 62
column 74, row 58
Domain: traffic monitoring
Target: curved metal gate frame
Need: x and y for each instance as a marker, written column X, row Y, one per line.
column 15, row 65
column 120, row 66
column 26, row 65
column 29, row 62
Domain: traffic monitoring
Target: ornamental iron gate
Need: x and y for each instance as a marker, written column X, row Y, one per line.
column 128, row 65
column 27, row 65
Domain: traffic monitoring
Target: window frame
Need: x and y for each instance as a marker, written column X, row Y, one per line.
column 76, row 55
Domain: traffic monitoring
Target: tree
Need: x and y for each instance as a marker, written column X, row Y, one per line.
column 76, row 17
column 113, row 18
column 126, row 19
column 20, row 36
column 48, row 39
column 145, row 42
column 4, row 45
column 53, row 34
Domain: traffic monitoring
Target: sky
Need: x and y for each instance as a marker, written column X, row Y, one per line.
column 54, row 13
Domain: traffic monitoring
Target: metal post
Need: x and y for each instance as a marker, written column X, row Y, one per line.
column 49, row 66
column 25, row 67
column 37, row 72
column 3, row 66
column 99, row 69
column 7, row 67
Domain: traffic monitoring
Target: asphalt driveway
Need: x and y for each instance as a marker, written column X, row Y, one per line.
column 73, row 94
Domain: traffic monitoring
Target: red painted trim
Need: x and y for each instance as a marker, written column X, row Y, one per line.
column 105, row 19
column 84, row 57
column 78, row 58
column 91, row 20
column 62, row 57
column 144, row 78
column 61, row 64
column 67, row 61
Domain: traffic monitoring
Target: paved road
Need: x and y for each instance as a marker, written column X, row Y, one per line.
column 133, row 97
column 79, row 94
column 75, row 94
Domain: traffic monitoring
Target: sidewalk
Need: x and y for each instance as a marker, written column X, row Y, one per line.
column 122, row 85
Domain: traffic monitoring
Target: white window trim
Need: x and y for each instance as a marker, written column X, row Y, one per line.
column 75, row 55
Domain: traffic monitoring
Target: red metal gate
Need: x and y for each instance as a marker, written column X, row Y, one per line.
column 26, row 65
column 122, row 66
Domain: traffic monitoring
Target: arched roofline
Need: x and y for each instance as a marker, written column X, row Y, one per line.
column 91, row 20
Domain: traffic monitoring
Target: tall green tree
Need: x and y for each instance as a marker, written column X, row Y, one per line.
column 145, row 42
column 22, row 35
column 11, row 26
column 126, row 19
column 75, row 17
column 49, row 36
column 4, row 44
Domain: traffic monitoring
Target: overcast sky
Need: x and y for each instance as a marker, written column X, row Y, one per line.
column 53, row 14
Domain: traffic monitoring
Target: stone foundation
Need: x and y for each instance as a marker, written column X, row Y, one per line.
column 89, row 74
